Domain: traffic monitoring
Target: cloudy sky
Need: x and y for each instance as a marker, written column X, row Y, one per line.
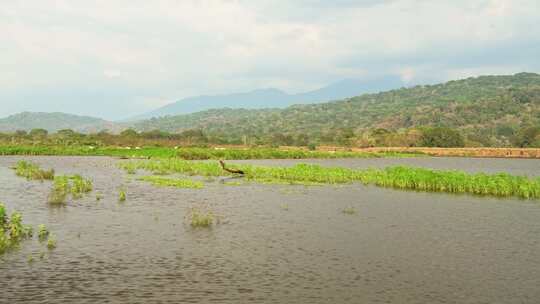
column 114, row 59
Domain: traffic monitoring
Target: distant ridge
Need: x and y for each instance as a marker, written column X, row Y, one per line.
column 274, row 98
column 53, row 122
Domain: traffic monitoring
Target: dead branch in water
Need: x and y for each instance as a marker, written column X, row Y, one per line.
column 222, row 163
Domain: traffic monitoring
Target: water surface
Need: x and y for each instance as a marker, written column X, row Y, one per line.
column 399, row 247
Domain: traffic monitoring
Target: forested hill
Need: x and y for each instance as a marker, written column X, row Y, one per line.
column 486, row 110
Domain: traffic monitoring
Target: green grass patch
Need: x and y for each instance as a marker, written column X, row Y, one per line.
column 172, row 182
column 273, row 153
column 32, row 171
column 191, row 153
column 398, row 177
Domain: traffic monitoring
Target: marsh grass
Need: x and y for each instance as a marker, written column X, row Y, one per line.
column 399, row 177
column 64, row 185
column 172, row 182
column 192, row 153
column 12, row 230
column 274, row 153
column 32, row 171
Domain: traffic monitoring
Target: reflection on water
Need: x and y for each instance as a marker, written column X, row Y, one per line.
column 400, row 247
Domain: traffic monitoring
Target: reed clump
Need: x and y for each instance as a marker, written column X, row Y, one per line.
column 172, row 182
column 64, row 185
column 399, row 177
column 32, row 171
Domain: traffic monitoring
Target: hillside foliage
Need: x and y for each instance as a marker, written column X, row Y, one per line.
column 483, row 111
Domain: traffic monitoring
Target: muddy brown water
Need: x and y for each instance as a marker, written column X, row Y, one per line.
column 399, row 247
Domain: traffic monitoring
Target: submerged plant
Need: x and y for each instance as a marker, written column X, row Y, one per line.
column 172, row 182
column 122, row 195
column 12, row 230
column 349, row 210
column 32, row 171
column 51, row 242
column 43, row 232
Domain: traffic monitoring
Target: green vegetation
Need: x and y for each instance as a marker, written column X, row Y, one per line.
column 32, row 171
column 200, row 217
column 172, row 182
column 189, row 153
column 43, row 232
column 80, row 186
column 486, row 110
column 12, row 230
column 489, row 111
column 393, row 177
column 51, row 242
column 122, row 196
column 349, row 210
column 272, row 153
column 63, row 185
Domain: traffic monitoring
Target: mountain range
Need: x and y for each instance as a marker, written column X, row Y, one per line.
column 274, row 98
column 53, row 122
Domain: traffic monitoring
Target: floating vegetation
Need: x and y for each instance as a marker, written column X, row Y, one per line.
column 64, row 185
column 399, row 177
column 12, row 230
column 349, row 210
column 32, row 171
column 201, row 217
column 172, row 182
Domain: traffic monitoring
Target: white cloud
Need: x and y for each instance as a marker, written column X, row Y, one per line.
column 128, row 51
